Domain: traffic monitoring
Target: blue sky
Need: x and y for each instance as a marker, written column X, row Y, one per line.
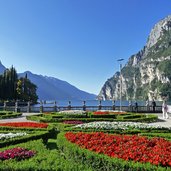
column 78, row 41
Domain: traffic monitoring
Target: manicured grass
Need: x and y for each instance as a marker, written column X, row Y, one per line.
column 47, row 157
column 60, row 154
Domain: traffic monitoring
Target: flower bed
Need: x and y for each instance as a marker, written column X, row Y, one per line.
column 25, row 124
column 156, row 151
column 18, row 153
column 100, row 113
column 116, row 125
column 12, row 135
column 72, row 112
column 108, row 112
column 73, row 122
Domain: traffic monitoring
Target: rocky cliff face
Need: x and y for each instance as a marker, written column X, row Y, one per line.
column 147, row 74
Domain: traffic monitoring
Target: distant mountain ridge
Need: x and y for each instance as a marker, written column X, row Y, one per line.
column 50, row 88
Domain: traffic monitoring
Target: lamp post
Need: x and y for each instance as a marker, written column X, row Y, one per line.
column 120, row 66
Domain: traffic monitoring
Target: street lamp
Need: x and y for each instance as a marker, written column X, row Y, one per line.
column 120, row 64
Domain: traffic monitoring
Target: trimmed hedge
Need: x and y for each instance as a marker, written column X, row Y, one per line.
column 101, row 162
column 6, row 115
column 61, row 126
column 36, row 133
column 5, row 112
column 116, row 131
column 47, row 158
column 6, row 128
column 138, row 118
column 45, row 135
column 164, row 135
column 119, row 131
column 148, row 118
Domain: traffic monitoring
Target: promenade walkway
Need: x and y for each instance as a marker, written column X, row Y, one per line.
column 18, row 119
column 162, row 122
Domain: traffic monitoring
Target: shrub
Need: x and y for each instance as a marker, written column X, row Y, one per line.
column 73, row 122
column 147, row 118
column 46, row 158
column 45, row 135
column 8, row 114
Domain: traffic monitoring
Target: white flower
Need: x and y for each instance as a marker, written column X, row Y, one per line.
column 4, row 136
column 116, row 125
column 72, row 112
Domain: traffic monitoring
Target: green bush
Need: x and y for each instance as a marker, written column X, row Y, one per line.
column 34, row 134
column 13, row 115
column 114, row 131
column 47, row 157
column 6, row 128
column 65, row 115
column 124, row 118
column 160, row 134
column 9, row 114
column 61, row 126
column 38, row 135
column 130, row 116
column 138, row 118
column 5, row 112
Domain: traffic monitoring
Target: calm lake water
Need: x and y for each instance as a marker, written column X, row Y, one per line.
column 92, row 103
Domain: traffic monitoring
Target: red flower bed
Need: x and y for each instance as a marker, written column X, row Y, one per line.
column 17, row 153
column 25, row 124
column 73, row 122
column 157, row 151
column 100, row 113
column 47, row 113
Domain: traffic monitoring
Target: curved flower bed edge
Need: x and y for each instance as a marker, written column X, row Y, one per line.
column 156, row 151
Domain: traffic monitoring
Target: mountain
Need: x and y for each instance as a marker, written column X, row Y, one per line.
column 50, row 88
column 147, row 74
column 2, row 68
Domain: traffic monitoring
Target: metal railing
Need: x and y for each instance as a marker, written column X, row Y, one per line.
column 54, row 108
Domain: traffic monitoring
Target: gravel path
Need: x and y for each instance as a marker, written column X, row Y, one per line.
column 18, row 119
column 162, row 122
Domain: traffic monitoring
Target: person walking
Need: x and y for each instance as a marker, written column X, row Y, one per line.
column 147, row 105
column 153, row 104
column 136, row 106
column 130, row 106
column 164, row 110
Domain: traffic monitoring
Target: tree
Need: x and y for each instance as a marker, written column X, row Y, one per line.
column 164, row 67
column 165, row 90
column 8, row 83
column 12, row 88
column 26, row 90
